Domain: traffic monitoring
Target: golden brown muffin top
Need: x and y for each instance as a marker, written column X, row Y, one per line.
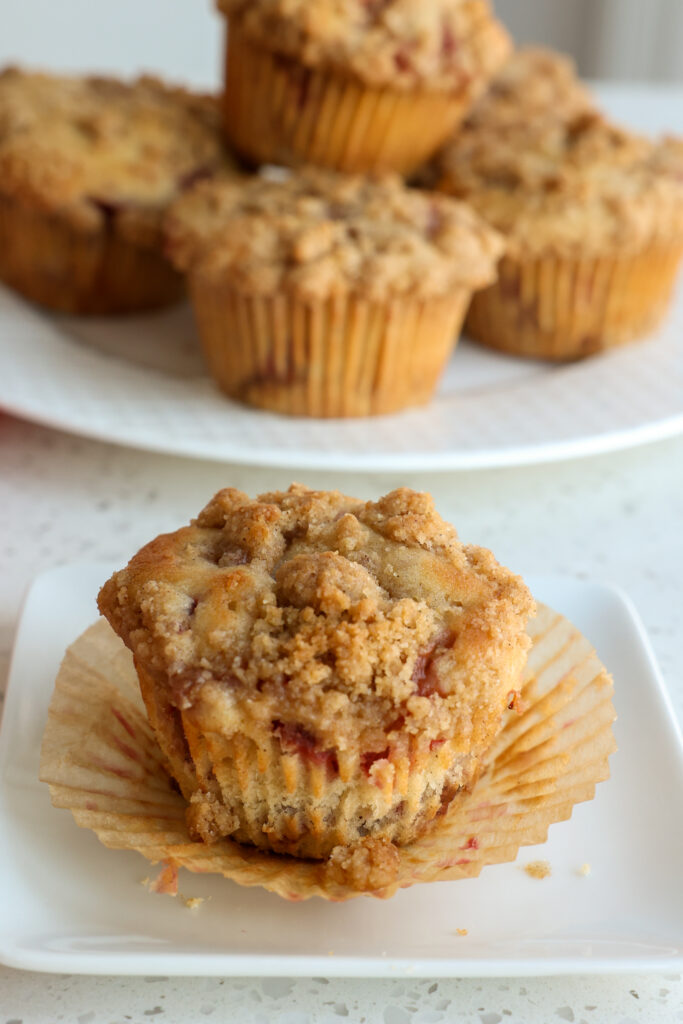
column 405, row 44
column 335, row 622
column 94, row 148
column 534, row 82
column 571, row 186
column 318, row 234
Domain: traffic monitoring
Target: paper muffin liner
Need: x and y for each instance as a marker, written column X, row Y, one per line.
column 52, row 263
column 344, row 356
column 559, row 308
column 102, row 762
column 277, row 110
column 283, row 799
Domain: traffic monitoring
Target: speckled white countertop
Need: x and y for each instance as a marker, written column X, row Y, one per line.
column 615, row 518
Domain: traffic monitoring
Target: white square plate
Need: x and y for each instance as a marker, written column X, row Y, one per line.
column 69, row 904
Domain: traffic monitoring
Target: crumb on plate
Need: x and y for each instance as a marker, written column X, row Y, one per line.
column 193, row 902
column 537, row 869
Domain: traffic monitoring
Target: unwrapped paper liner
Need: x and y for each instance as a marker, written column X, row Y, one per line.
column 101, row 761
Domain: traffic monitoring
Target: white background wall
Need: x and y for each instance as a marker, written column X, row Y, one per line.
column 631, row 39
column 636, row 39
column 558, row 23
column 181, row 38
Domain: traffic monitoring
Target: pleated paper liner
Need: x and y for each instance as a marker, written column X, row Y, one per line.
column 560, row 308
column 344, row 356
column 101, row 761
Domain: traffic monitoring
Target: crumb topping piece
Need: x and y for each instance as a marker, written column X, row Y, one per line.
column 98, row 149
column 341, row 626
column 443, row 44
column 318, row 234
column 366, row 866
column 548, row 170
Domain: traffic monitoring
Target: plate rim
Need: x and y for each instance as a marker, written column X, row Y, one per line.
column 88, row 362
column 272, row 458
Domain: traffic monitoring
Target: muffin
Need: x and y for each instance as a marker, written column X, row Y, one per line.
column 87, row 169
column 357, row 86
column 326, row 295
column 321, row 673
column 592, row 216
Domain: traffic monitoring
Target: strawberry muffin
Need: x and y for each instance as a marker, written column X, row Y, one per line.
column 88, row 167
column 327, row 295
column 324, row 675
column 364, row 85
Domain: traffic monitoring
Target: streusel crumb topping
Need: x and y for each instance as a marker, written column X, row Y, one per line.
column 335, row 622
column 317, row 234
column 97, row 149
column 406, row 44
column 533, row 83
column 578, row 185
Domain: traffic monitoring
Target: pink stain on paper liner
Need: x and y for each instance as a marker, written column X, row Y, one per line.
column 166, row 882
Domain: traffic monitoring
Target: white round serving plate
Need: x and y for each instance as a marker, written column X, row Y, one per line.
column 140, row 381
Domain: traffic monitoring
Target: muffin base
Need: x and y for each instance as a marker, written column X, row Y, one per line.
column 101, row 761
column 50, row 262
column 564, row 309
column 290, row 802
column 276, row 110
column 345, row 356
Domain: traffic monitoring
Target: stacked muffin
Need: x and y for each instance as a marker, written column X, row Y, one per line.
column 88, row 168
column 364, row 85
column 592, row 215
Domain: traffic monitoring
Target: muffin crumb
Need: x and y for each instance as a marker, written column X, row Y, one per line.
column 193, row 902
column 538, row 869
column 366, row 866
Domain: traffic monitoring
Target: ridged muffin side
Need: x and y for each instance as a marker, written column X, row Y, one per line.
column 327, row 295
